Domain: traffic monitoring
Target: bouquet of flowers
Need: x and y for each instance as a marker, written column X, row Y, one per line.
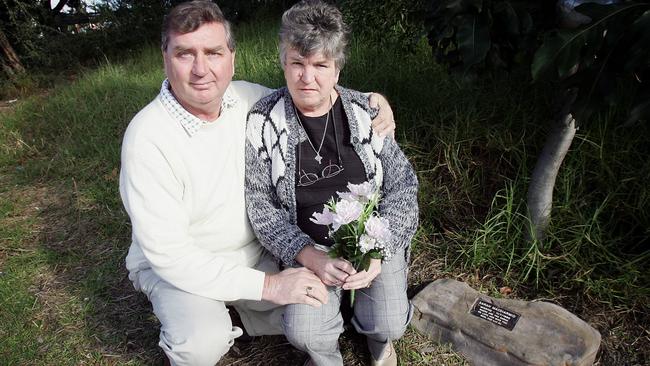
column 358, row 232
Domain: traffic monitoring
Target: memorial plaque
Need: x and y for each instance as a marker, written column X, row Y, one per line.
column 494, row 314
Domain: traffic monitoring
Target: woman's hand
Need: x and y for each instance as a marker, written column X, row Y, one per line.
column 364, row 278
column 384, row 123
column 332, row 271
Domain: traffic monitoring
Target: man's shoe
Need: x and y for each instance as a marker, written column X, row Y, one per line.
column 245, row 338
column 389, row 359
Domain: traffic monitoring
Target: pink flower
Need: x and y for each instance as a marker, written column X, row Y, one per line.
column 346, row 212
column 365, row 190
column 325, row 218
column 377, row 227
column 347, row 196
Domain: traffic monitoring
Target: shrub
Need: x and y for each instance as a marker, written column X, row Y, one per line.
column 474, row 34
column 396, row 23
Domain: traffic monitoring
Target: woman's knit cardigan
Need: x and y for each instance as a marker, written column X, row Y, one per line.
column 272, row 134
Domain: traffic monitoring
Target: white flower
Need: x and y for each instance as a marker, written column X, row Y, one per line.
column 377, row 227
column 346, row 212
column 366, row 243
column 325, row 218
column 364, row 190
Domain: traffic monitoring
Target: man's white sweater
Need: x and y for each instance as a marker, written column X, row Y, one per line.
column 183, row 189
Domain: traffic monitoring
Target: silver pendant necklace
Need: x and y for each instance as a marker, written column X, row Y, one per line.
column 318, row 157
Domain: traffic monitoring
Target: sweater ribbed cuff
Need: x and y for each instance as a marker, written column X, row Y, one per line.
column 250, row 284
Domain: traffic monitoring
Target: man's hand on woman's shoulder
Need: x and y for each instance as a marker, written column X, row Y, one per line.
column 384, row 123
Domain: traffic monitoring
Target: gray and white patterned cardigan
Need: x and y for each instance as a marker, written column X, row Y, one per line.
column 272, row 134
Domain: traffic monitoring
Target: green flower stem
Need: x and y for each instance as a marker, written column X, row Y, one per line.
column 353, row 291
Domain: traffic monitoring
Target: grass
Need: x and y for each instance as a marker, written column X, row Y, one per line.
column 64, row 293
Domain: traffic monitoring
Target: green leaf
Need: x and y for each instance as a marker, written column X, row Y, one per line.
column 365, row 262
column 638, row 55
column 375, row 255
column 526, row 21
column 477, row 4
column 544, row 58
column 356, row 260
column 638, row 51
column 473, row 38
column 507, row 17
column 569, row 58
column 599, row 12
column 593, row 43
column 595, row 11
column 642, row 23
column 640, row 111
column 560, row 51
column 614, row 31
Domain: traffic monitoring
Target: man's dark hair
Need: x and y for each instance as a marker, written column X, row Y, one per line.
column 190, row 16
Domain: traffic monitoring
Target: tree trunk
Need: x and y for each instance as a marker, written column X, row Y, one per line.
column 542, row 181
column 10, row 61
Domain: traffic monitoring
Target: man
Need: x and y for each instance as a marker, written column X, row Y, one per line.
column 182, row 184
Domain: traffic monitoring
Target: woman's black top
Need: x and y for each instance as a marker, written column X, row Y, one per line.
column 317, row 183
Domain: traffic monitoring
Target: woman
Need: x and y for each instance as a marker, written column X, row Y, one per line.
column 305, row 142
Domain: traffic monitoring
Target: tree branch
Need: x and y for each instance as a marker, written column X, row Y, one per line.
column 13, row 64
column 72, row 19
column 58, row 7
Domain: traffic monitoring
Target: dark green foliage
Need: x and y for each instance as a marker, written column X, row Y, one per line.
column 21, row 22
column 50, row 42
column 240, row 11
column 54, row 42
column 395, row 23
column 607, row 60
column 132, row 22
column 471, row 34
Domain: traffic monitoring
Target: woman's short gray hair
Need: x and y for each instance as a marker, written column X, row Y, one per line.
column 311, row 26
